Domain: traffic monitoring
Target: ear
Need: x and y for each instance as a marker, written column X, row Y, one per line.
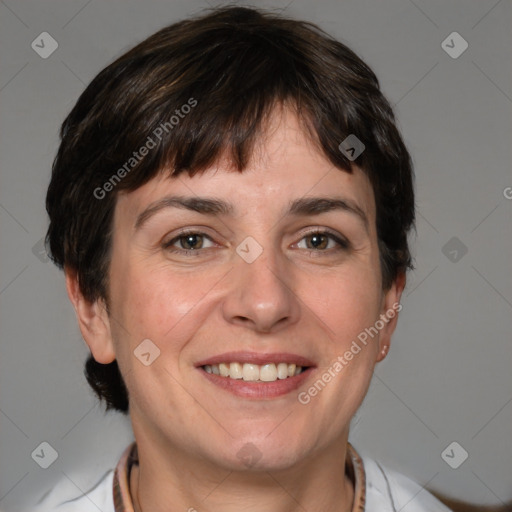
column 389, row 314
column 92, row 319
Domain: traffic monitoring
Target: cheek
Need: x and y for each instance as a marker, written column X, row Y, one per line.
column 348, row 307
column 166, row 309
column 162, row 305
column 347, row 302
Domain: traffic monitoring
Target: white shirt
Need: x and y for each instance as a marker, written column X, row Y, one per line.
column 385, row 490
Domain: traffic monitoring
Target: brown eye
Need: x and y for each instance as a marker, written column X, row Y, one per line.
column 322, row 241
column 317, row 241
column 189, row 242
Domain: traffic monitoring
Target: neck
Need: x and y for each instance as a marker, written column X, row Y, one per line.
column 322, row 483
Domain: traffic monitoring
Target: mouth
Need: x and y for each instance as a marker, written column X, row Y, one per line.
column 259, row 376
column 249, row 372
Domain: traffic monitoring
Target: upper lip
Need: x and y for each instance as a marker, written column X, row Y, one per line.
column 256, row 358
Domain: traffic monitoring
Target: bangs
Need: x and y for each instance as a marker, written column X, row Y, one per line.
column 202, row 91
column 190, row 99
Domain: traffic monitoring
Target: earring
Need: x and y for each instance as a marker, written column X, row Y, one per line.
column 384, row 351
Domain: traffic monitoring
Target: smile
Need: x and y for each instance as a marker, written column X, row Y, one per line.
column 249, row 372
column 256, row 375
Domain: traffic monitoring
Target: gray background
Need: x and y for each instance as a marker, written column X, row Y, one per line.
column 447, row 377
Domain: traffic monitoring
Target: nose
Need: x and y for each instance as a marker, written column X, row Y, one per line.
column 261, row 296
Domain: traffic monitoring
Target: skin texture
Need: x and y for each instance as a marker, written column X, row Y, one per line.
column 293, row 298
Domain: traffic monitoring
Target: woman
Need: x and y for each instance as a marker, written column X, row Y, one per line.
column 230, row 204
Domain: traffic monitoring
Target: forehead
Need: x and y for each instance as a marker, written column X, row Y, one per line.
column 285, row 165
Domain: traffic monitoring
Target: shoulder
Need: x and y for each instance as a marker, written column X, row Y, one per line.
column 66, row 497
column 386, row 491
column 390, row 491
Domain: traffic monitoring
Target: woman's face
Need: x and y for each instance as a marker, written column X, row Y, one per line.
column 248, row 273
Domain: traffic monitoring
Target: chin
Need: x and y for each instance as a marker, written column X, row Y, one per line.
column 258, row 454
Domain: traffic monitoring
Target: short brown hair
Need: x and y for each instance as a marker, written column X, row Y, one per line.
column 230, row 67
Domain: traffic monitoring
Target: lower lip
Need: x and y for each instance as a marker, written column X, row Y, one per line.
column 258, row 390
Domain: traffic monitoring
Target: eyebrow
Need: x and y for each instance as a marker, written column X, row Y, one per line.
column 318, row 205
column 197, row 204
column 210, row 206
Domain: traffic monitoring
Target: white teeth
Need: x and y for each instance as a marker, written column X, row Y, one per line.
column 235, row 370
column 268, row 373
column 282, row 371
column 249, row 372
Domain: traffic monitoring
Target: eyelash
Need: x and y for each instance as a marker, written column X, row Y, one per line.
column 187, row 252
column 343, row 244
